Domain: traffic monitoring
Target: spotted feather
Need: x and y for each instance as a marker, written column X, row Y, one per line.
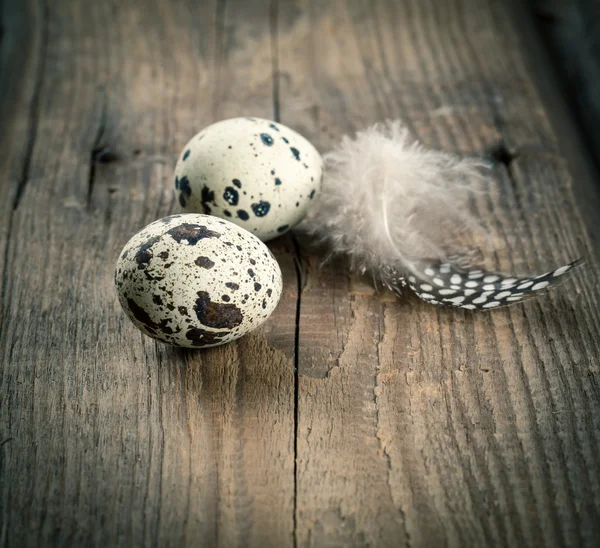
column 445, row 284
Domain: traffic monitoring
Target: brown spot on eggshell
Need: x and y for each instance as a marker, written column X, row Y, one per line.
column 144, row 318
column 192, row 233
column 203, row 337
column 204, row 262
column 144, row 253
column 217, row 315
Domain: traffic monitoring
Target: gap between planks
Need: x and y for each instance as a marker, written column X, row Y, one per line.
column 298, row 259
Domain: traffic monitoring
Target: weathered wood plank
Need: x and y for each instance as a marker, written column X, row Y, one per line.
column 114, row 439
column 574, row 146
column 570, row 30
column 426, row 427
column 20, row 71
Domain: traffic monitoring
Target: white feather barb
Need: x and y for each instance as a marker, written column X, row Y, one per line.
column 386, row 200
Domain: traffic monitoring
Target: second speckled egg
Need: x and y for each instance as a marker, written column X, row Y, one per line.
column 258, row 174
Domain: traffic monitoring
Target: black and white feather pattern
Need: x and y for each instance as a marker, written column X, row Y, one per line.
column 444, row 284
column 401, row 212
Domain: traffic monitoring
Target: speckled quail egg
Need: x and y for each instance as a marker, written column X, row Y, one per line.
column 197, row 281
column 259, row 174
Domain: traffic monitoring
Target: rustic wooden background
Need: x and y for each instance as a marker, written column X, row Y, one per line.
column 351, row 418
column 571, row 31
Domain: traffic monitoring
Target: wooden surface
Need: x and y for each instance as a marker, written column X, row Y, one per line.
column 571, row 31
column 351, row 418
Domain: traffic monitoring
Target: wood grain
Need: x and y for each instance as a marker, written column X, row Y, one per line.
column 112, row 438
column 351, row 418
column 425, row 427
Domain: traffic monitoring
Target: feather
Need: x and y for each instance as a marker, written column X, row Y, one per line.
column 447, row 285
column 402, row 212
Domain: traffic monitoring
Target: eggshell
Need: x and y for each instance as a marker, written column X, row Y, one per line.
column 197, row 281
column 259, row 174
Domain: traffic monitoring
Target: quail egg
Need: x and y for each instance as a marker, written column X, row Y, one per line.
column 259, row 174
column 195, row 280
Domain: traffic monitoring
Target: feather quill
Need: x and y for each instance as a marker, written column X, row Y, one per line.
column 402, row 212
